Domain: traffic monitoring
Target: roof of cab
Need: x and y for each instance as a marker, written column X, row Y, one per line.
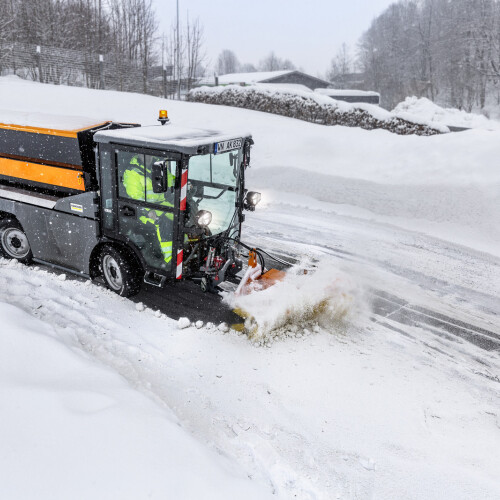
column 169, row 137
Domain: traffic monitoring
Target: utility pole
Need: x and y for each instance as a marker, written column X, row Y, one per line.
column 178, row 57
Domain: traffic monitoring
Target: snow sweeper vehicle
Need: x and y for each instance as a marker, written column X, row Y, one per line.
column 130, row 203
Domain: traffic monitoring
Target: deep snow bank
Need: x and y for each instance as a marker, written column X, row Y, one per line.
column 312, row 107
column 414, row 108
column 72, row 428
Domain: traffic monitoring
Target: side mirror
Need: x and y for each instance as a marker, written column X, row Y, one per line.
column 159, row 177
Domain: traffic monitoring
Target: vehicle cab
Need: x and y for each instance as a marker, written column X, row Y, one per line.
column 174, row 197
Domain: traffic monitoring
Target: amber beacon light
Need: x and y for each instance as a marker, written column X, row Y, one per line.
column 163, row 116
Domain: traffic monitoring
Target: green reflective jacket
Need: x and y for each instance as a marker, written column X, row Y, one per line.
column 140, row 187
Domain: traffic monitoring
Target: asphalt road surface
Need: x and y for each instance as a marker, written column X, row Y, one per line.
column 185, row 299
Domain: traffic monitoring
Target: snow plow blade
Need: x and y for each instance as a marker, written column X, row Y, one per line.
column 297, row 300
column 268, row 279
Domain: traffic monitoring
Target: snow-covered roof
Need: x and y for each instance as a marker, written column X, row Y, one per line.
column 347, row 93
column 47, row 121
column 169, row 137
column 249, row 78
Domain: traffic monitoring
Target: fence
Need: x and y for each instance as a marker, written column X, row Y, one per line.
column 82, row 69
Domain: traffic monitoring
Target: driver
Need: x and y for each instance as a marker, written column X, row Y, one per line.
column 139, row 186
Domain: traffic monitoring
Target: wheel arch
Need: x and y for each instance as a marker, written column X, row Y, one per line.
column 7, row 216
column 127, row 250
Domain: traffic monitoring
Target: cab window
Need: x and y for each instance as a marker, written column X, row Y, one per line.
column 135, row 180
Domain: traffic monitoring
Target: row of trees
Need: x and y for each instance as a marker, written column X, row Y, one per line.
column 125, row 27
column 444, row 50
column 125, row 32
column 227, row 62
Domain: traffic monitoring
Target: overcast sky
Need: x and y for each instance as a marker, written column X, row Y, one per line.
column 308, row 32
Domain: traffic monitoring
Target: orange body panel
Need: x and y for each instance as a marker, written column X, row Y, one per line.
column 39, row 130
column 43, row 174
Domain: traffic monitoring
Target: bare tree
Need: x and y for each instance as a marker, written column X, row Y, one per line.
column 134, row 33
column 274, row 63
column 7, row 28
column 248, row 68
column 227, row 63
column 287, row 64
column 448, row 51
column 341, row 65
column 270, row 63
column 194, row 51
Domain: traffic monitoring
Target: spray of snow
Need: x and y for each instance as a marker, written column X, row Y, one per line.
column 307, row 299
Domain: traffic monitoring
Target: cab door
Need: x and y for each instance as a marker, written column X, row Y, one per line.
column 145, row 218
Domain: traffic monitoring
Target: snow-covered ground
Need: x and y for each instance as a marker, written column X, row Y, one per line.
column 72, row 428
column 425, row 109
column 367, row 407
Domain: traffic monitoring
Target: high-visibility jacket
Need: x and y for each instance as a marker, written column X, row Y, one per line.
column 140, row 187
column 164, row 240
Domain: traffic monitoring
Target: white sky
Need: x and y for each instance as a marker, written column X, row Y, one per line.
column 309, row 33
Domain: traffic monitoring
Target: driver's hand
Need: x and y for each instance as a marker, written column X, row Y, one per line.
column 152, row 215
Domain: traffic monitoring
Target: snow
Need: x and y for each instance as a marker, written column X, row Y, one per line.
column 359, row 412
column 421, row 108
column 287, row 95
column 305, row 298
column 183, row 323
column 47, row 121
column 170, row 135
column 73, row 428
column 344, row 92
column 277, row 90
column 44, row 120
column 99, row 399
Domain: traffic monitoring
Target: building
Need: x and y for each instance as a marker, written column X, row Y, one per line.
column 351, row 95
column 349, row 81
column 288, row 77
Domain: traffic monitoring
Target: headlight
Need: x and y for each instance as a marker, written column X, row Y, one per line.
column 203, row 218
column 251, row 199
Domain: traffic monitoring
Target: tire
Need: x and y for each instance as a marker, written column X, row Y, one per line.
column 119, row 271
column 14, row 243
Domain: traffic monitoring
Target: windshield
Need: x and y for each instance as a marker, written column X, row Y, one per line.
column 213, row 180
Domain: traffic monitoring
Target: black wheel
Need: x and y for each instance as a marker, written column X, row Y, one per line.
column 14, row 243
column 119, row 271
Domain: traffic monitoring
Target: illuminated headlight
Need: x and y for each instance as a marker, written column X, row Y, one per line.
column 251, row 199
column 203, row 218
